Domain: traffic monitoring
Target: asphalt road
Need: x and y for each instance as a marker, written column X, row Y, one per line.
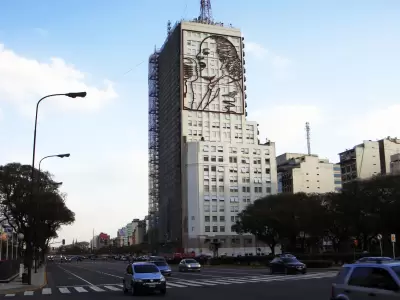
column 103, row 280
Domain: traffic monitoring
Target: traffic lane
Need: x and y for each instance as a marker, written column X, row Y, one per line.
column 310, row 289
column 56, row 276
column 84, row 276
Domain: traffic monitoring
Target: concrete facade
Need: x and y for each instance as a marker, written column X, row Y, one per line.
column 307, row 173
column 371, row 158
column 211, row 163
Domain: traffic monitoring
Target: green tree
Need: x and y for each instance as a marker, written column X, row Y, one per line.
column 38, row 217
column 260, row 220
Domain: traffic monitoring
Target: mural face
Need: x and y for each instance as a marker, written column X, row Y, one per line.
column 212, row 73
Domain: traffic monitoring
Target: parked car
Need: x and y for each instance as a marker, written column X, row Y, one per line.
column 373, row 259
column 143, row 277
column 287, row 265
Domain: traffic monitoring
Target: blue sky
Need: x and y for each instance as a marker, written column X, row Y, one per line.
column 333, row 63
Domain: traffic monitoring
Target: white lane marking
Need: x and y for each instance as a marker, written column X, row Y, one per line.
column 120, row 285
column 80, row 289
column 112, row 288
column 183, row 281
column 69, row 272
column 46, row 291
column 189, row 283
column 104, row 273
column 218, row 281
column 28, row 293
column 169, row 284
column 64, row 290
column 10, row 295
column 95, row 288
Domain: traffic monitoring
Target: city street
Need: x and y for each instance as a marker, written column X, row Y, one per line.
column 104, row 280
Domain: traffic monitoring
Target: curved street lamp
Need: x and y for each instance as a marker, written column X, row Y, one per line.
column 48, row 156
column 70, row 95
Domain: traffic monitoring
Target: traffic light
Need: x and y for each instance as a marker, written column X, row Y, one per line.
column 355, row 243
column 63, row 241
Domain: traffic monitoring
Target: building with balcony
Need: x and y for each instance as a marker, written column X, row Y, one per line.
column 299, row 172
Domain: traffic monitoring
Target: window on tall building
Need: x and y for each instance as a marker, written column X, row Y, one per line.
column 213, row 158
column 214, row 218
column 245, row 179
column 222, row 218
column 221, row 228
column 232, row 159
column 206, row 188
column 232, row 150
column 213, row 188
column 213, row 148
column 258, row 189
column 267, row 171
column 234, row 189
column 207, row 208
column 257, row 161
column 220, row 159
column 245, row 189
column 221, row 208
column 268, row 190
column 206, row 168
column 206, row 218
column 205, row 158
column 221, row 189
column 220, row 149
column 213, row 168
column 215, row 228
column 207, row 228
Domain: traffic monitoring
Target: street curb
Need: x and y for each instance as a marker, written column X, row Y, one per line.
column 9, row 279
column 28, row 288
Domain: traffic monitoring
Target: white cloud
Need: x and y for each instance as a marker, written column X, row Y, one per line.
column 285, row 125
column 279, row 64
column 23, row 81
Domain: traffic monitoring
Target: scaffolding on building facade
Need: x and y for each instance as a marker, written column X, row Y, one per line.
column 153, row 141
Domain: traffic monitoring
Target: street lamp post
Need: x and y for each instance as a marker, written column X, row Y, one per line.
column 48, row 156
column 70, row 95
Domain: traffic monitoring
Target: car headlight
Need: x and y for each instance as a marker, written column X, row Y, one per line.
column 138, row 280
column 162, row 278
column 189, row 266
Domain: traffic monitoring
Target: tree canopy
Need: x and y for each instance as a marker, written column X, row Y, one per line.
column 39, row 215
column 362, row 210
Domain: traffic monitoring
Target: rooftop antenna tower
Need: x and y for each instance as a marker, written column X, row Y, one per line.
column 205, row 12
column 308, row 138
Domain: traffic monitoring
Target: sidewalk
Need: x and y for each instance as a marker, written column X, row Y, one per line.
column 39, row 280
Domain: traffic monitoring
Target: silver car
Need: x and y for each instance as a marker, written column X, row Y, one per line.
column 189, row 264
column 362, row 281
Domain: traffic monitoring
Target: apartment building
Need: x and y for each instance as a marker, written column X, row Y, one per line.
column 299, row 172
column 368, row 159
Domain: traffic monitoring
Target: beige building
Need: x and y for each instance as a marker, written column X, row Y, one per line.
column 299, row 172
column 368, row 159
column 395, row 164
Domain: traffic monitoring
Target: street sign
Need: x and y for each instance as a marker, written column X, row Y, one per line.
column 379, row 236
column 393, row 238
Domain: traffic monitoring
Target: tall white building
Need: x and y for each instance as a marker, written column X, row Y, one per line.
column 206, row 162
column 395, row 164
column 307, row 173
column 368, row 159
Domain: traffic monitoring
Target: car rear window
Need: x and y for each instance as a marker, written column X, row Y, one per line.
column 160, row 263
column 146, row 269
column 397, row 271
column 341, row 276
column 191, row 261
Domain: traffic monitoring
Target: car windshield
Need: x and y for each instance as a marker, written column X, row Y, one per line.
column 289, row 260
column 146, row 269
column 160, row 263
column 191, row 261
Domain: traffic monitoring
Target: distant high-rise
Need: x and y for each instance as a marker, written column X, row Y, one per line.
column 205, row 160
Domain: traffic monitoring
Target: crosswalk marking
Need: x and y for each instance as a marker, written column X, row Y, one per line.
column 112, row 288
column 64, row 290
column 96, row 288
column 181, row 283
column 170, row 284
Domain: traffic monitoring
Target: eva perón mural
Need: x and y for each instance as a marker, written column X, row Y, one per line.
column 212, row 69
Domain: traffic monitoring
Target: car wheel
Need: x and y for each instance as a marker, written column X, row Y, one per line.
column 271, row 271
column 286, row 271
column 304, row 272
column 163, row 292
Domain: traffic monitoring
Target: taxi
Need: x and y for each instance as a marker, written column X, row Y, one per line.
column 143, row 277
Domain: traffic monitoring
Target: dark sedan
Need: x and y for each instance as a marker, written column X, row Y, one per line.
column 287, row 265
